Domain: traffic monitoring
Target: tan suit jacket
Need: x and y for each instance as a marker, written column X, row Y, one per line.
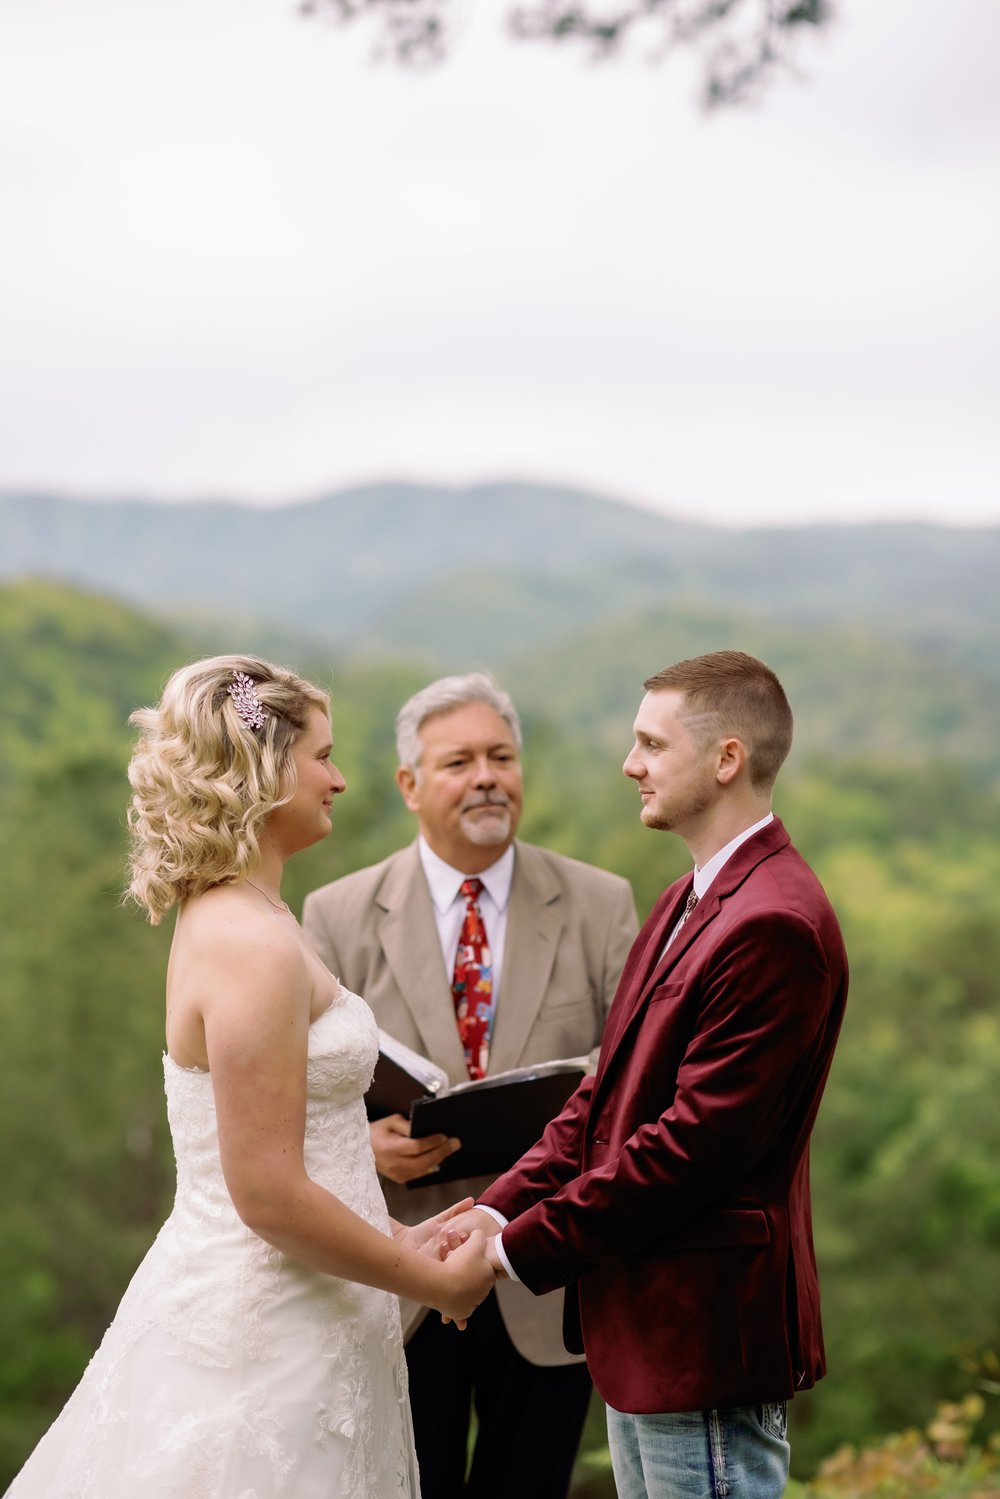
column 569, row 930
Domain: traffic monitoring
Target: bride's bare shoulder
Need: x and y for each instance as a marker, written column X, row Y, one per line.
column 227, row 925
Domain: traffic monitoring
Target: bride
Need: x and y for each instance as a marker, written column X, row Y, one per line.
column 257, row 1351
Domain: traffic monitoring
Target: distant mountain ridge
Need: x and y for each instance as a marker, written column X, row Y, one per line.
column 345, row 556
column 496, row 569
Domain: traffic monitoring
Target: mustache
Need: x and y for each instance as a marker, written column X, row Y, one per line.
column 498, row 799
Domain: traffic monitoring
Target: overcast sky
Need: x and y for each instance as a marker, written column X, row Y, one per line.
column 238, row 261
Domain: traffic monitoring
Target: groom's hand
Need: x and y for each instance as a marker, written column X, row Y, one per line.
column 457, row 1231
column 461, row 1224
column 494, row 1261
column 434, row 1236
column 403, row 1159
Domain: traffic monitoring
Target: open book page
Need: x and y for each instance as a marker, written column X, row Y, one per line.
column 522, row 1074
column 426, row 1072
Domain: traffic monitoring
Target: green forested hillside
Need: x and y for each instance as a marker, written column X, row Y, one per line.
column 72, row 665
column 894, row 800
column 853, row 691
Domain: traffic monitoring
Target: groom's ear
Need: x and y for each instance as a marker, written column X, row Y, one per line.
column 733, row 757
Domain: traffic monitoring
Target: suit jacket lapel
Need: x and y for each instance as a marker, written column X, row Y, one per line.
column 408, row 934
column 534, row 922
column 696, row 922
column 658, row 963
column 655, row 952
column 649, row 967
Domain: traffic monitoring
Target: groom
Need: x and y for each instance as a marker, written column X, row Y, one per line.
column 673, row 1190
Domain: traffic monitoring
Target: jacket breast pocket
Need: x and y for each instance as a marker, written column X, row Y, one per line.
column 664, row 993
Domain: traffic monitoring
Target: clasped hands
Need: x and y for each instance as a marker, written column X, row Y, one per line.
column 458, row 1223
column 464, row 1238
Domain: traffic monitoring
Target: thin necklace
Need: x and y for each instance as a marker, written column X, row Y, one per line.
column 279, row 905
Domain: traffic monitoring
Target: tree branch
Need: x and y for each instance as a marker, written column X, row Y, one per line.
column 741, row 42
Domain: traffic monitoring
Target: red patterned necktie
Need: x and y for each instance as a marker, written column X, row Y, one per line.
column 472, row 985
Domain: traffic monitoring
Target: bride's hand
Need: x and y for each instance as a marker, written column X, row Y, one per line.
column 432, row 1236
column 467, row 1279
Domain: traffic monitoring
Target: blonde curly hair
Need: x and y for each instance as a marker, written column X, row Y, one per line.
column 204, row 782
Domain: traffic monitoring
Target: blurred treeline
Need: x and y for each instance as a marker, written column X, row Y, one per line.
column 899, row 812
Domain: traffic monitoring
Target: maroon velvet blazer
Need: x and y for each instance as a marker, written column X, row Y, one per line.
column 673, row 1189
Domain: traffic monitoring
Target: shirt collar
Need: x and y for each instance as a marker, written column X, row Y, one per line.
column 703, row 877
column 444, row 882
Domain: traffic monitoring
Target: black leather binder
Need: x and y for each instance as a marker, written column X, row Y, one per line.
column 497, row 1119
column 393, row 1089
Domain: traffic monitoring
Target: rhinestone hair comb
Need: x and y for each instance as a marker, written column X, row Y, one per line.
column 248, row 705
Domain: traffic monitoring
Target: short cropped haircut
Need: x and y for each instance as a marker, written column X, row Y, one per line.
column 203, row 782
column 443, row 696
column 738, row 695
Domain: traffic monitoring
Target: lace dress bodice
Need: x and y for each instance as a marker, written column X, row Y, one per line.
column 232, row 1371
column 343, row 1049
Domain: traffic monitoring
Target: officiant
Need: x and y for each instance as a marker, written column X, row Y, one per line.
column 482, row 953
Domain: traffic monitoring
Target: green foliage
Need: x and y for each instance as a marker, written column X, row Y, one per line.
column 73, row 667
column 906, row 1150
column 854, row 694
column 957, row 1457
column 85, row 1152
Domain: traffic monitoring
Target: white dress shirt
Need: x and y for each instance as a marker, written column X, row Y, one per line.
column 702, row 880
column 704, row 876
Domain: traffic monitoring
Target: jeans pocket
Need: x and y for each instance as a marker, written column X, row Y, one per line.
column 774, row 1419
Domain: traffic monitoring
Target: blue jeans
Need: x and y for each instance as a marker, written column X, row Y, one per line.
column 739, row 1453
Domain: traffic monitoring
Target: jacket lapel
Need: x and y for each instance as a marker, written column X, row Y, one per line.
column 655, row 955
column 649, row 965
column 659, row 963
column 408, row 934
column 534, row 922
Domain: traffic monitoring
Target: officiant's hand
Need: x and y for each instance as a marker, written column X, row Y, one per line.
column 403, row 1159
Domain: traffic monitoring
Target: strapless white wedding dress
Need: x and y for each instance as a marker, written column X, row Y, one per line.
column 231, row 1371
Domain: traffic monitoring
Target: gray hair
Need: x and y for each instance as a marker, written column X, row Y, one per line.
column 443, row 696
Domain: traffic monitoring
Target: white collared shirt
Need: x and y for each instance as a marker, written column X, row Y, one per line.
column 445, row 885
column 704, row 876
column 702, row 880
